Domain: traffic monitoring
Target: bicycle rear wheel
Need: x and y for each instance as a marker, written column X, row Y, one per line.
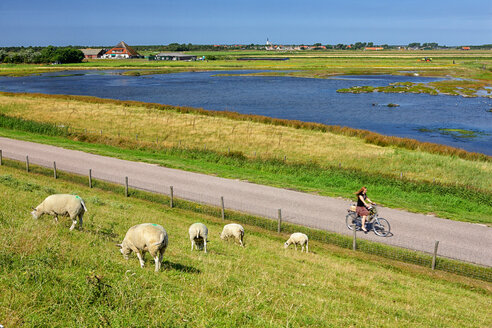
column 350, row 220
column 381, row 227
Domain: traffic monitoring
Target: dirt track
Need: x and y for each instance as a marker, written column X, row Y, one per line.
column 458, row 240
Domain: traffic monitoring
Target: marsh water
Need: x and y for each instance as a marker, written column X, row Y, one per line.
column 451, row 120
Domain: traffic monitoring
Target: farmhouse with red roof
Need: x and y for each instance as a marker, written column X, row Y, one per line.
column 121, row 50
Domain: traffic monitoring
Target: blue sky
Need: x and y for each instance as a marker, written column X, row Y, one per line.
column 91, row 23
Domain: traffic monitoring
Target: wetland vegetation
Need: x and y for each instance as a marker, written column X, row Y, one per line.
column 464, row 88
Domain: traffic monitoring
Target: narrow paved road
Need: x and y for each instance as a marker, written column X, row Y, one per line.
column 458, row 240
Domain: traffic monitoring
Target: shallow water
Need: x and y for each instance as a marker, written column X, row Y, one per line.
column 419, row 116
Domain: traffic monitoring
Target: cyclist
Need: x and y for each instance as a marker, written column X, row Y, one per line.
column 363, row 207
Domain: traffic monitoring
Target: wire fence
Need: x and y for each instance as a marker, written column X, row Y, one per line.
column 272, row 219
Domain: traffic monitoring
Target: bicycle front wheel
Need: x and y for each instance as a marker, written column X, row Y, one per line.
column 350, row 220
column 381, row 227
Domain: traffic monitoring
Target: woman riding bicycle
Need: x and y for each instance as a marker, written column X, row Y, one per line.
column 362, row 208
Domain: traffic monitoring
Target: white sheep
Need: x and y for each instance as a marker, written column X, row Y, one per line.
column 298, row 238
column 64, row 205
column 233, row 230
column 198, row 235
column 144, row 237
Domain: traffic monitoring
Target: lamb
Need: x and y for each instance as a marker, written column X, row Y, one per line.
column 64, row 205
column 233, row 230
column 144, row 237
column 298, row 238
column 198, row 235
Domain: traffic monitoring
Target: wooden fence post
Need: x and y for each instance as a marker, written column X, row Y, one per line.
column 27, row 163
column 54, row 170
column 90, row 178
column 222, row 207
column 435, row 255
column 126, row 186
column 171, row 200
column 354, row 240
column 279, row 227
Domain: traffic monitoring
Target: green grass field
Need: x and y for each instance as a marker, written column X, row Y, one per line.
column 51, row 277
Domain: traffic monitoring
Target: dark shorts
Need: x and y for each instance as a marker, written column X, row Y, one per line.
column 361, row 211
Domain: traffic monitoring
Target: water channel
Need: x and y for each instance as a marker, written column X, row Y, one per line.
column 451, row 120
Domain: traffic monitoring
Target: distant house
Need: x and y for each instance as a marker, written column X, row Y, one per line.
column 174, row 56
column 373, row 48
column 93, row 53
column 121, row 51
column 465, row 48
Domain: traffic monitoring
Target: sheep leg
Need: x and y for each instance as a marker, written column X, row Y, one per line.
column 74, row 222
column 205, row 244
column 157, row 261
column 81, row 215
column 140, row 259
column 192, row 244
column 241, row 242
column 295, row 245
column 56, row 218
column 161, row 257
column 307, row 247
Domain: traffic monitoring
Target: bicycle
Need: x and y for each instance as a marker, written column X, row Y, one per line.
column 380, row 226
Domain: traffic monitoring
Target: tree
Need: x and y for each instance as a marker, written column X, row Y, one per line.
column 47, row 54
column 360, row 45
column 67, row 55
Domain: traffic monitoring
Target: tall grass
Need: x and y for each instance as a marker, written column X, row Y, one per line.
column 367, row 136
column 20, row 124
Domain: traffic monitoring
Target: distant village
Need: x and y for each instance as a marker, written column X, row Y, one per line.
column 181, row 52
column 124, row 51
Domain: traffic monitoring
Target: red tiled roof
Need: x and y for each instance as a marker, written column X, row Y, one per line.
column 122, row 48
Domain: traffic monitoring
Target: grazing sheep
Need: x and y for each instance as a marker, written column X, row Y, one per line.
column 198, row 235
column 233, row 230
column 144, row 237
column 64, row 205
column 298, row 238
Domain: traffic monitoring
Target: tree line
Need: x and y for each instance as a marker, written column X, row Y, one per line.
column 40, row 55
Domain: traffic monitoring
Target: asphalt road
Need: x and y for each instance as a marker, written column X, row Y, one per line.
column 457, row 240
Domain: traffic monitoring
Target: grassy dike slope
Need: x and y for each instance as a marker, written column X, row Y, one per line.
column 55, row 278
column 245, row 147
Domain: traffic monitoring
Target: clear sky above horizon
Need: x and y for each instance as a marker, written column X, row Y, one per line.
column 58, row 22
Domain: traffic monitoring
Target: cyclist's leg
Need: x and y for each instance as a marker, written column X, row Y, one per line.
column 363, row 223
